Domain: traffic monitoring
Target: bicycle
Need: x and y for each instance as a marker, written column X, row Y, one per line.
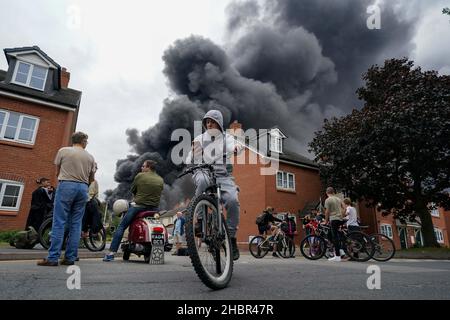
column 384, row 247
column 207, row 237
column 94, row 242
column 259, row 246
column 356, row 244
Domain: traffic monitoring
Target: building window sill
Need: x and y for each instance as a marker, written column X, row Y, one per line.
column 286, row 190
column 16, row 144
column 9, row 213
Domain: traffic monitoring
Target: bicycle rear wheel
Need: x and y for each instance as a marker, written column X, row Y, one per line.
column 285, row 247
column 259, row 247
column 45, row 233
column 96, row 242
column 358, row 246
column 313, row 247
column 210, row 252
column 384, row 247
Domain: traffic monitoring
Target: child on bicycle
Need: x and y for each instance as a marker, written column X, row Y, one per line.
column 215, row 138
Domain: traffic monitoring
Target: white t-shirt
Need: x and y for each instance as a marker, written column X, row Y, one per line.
column 351, row 216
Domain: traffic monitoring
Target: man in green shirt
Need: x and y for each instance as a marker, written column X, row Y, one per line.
column 146, row 188
column 333, row 213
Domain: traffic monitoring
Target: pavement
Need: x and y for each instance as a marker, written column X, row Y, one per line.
column 264, row 279
column 8, row 253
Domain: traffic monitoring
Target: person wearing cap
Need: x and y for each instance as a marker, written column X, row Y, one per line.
column 216, row 139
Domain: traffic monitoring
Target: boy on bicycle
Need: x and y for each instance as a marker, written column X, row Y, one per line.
column 204, row 149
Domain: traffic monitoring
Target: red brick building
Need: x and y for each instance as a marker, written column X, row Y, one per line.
column 38, row 114
column 293, row 185
column 407, row 235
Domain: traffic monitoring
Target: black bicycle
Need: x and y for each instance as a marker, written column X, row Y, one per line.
column 356, row 245
column 207, row 237
column 94, row 242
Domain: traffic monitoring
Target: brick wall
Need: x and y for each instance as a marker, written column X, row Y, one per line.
column 258, row 192
column 31, row 162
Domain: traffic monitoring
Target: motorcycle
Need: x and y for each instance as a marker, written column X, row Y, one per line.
column 147, row 236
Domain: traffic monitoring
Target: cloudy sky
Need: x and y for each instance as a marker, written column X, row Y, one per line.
column 114, row 51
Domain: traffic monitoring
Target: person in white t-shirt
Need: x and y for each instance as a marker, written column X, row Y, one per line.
column 350, row 215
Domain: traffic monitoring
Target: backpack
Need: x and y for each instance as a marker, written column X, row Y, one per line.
column 25, row 239
column 260, row 218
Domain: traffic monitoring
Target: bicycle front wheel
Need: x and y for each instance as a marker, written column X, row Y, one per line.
column 96, row 242
column 384, row 247
column 313, row 247
column 209, row 249
column 259, row 247
column 358, row 246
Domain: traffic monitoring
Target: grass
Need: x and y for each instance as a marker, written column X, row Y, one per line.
column 6, row 236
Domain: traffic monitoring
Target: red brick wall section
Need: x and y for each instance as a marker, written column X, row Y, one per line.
column 251, row 196
column 31, row 163
column 258, row 192
column 307, row 189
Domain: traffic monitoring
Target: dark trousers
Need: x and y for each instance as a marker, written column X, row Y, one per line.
column 335, row 224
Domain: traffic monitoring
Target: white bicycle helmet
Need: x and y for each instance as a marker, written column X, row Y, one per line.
column 120, row 206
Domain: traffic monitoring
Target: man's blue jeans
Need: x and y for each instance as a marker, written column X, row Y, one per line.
column 70, row 202
column 125, row 223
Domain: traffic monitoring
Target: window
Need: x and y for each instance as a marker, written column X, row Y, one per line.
column 10, row 195
column 275, row 144
column 18, row 127
column 30, row 75
column 434, row 210
column 285, row 180
column 439, row 235
column 386, row 229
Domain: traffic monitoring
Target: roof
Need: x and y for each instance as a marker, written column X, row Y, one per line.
column 35, row 48
column 291, row 156
column 64, row 96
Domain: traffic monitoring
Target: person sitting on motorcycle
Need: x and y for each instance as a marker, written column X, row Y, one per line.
column 147, row 188
column 214, row 137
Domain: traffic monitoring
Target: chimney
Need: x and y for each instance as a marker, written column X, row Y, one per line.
column 235, row 125
column 65, row 78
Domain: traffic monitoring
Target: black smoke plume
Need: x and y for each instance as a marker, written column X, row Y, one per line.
column 289, row 63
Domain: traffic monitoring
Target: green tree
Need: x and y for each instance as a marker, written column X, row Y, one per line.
column 395, row 151
column 446, row 11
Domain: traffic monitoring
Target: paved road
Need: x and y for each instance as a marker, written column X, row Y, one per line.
column 291, row 279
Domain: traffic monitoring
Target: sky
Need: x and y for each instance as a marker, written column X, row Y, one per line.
column 114, row 50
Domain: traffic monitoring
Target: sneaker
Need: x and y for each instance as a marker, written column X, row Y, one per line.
column 335, row 259
column 235, row 249
column 66, row 262
column 108, row 258
column 46, row 263
column 175, row 253
column 341, row 252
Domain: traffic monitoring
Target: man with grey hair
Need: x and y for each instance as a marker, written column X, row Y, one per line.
column 75, row 169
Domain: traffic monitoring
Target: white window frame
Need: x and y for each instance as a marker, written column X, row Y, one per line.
column 19, row 127
column 434, row 212
column 2, row 194
column 276, row 144
column 388, row 229
column 439, row 235
column 30, row 73
column 285, row 175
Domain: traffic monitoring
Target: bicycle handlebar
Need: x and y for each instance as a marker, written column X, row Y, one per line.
column 196, row 167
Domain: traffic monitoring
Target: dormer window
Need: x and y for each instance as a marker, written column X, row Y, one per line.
column 30, row 75
column 276, row 140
